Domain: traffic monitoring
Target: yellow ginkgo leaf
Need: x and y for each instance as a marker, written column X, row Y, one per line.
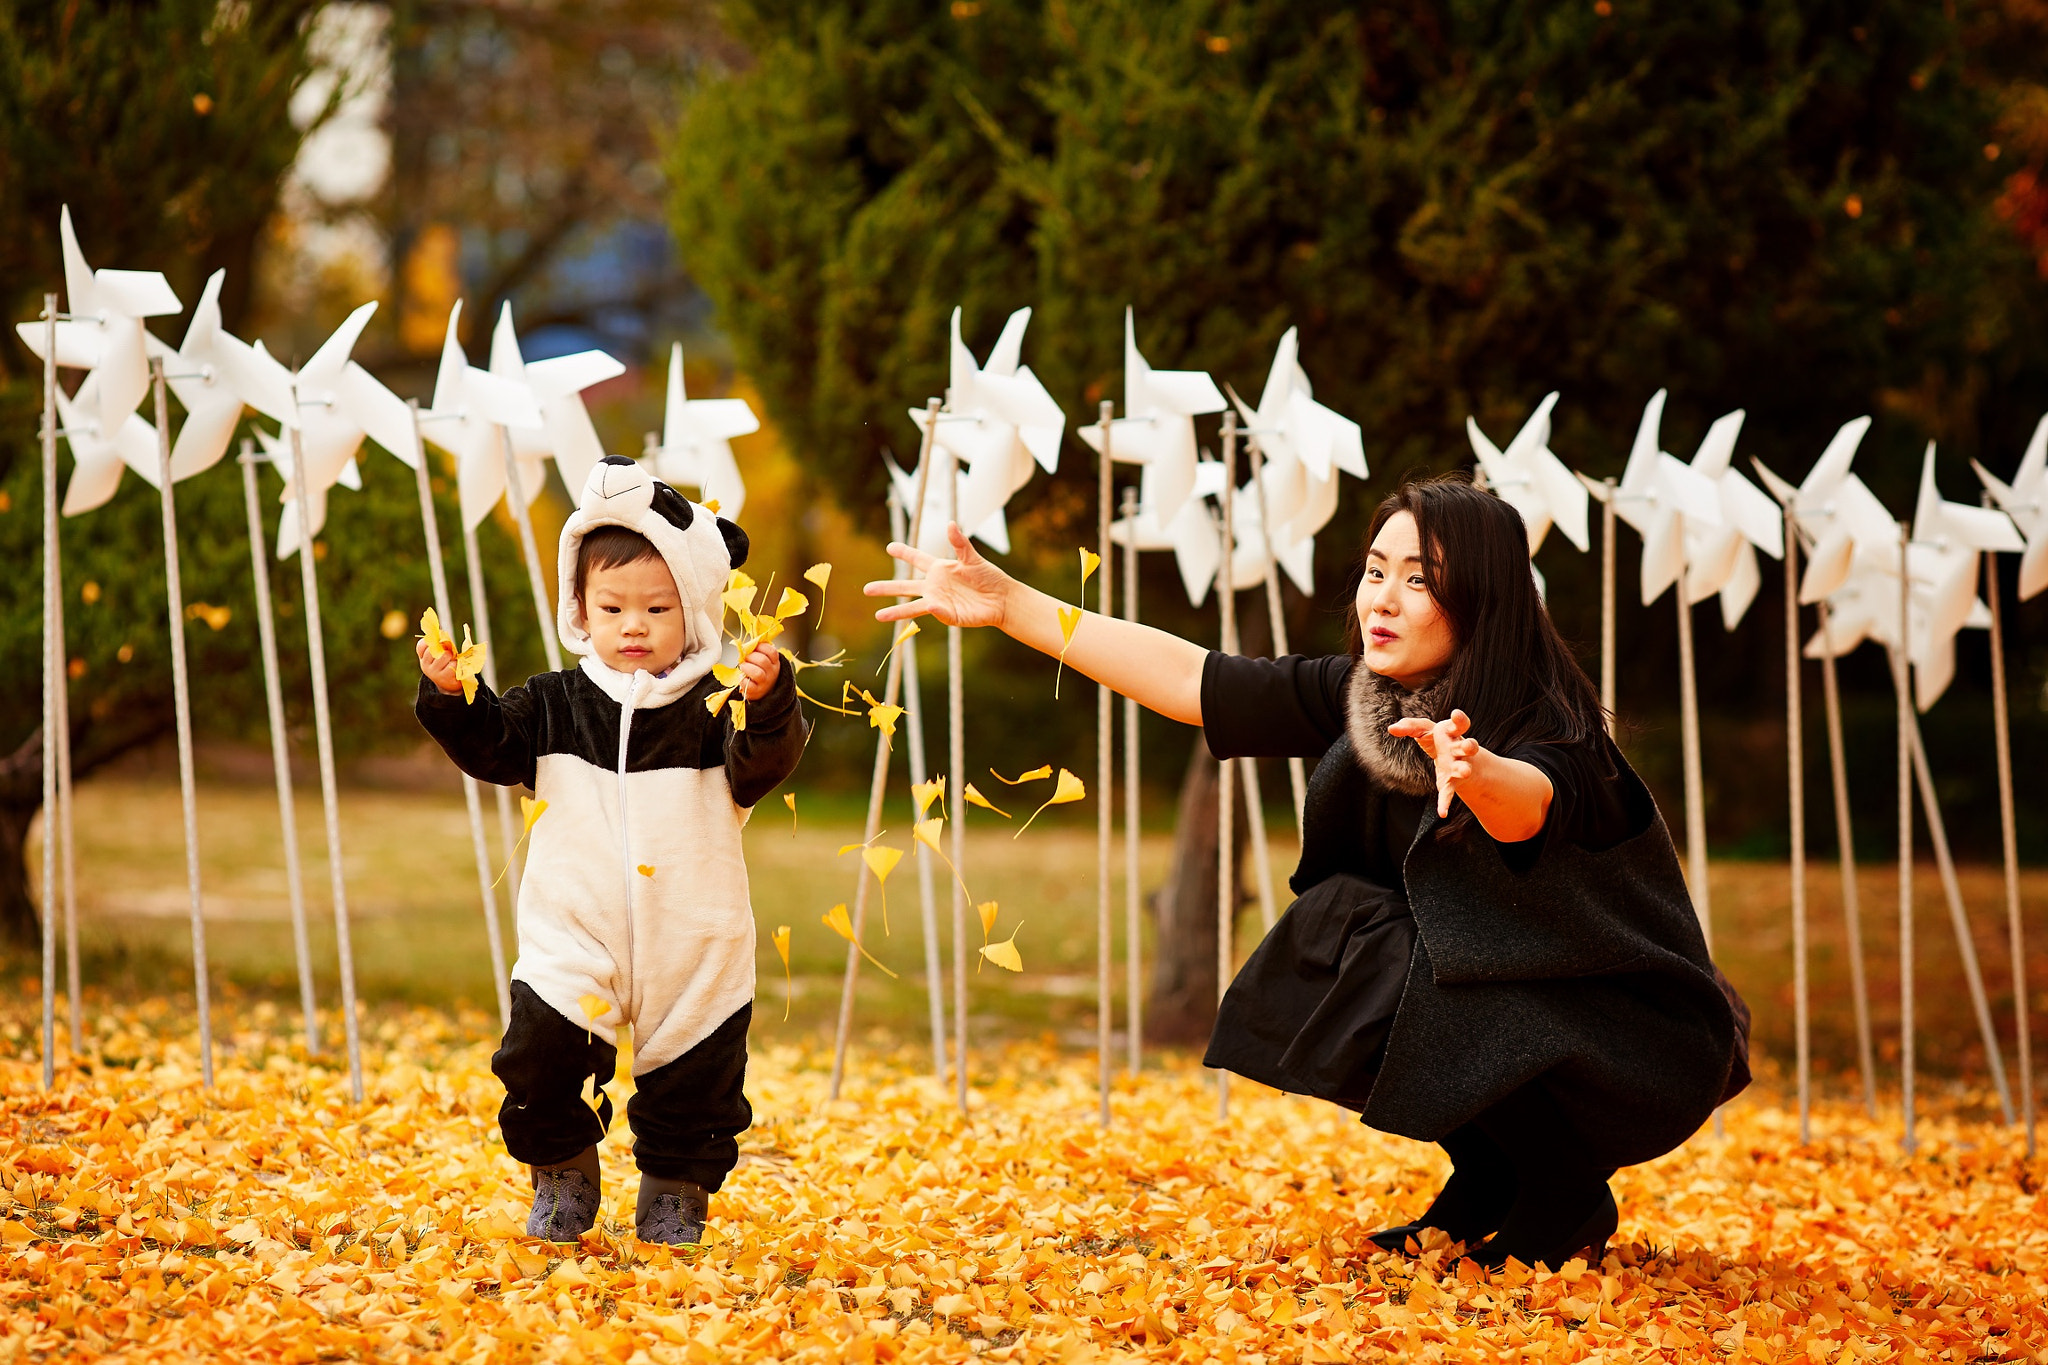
column 740, row 601
column 975, row 798
column 739, row 578
column 430, row 629
column 594, row 1007
column 882, row 860
column 781, row 941
column 1069, row 789
column 1035, row 775
column 927, row 832
column 901, row 635
column 645, row 871
column 818, row 575
column 1005, row 954
column 712, row 506
column 789, row 799
column 987, row 911
column 835, row 919
column 927, row 792
column 738, row 712
column 469, row 666
column 532, row 808
column 1070, row 620
column 716, row 701
column 1089, row 562
column 792, row 603
column 727, row 675
column 825, row 705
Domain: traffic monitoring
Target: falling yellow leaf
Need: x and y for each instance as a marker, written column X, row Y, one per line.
column 1068, row 789
column 594, row 1007
column 1035, row 775
column 645, row 871
column 927, row 832
column 883, row 717
column 975, row 798
column 532, row 808
column 1089, row 562
column 792, row 603
column 987, row 911
column 835, row 919
column 882, row 860
column 1005, row 954
column 901, row 635
column 1070, row 619
column 818, row 575
column 927, row 792
column 781, row 941
column 738, row 711
column 789, row 799
column 825, row 705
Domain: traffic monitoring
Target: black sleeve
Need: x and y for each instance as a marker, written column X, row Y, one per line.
column 1589, row 800
column 490, row 738
column 759, row 757
column 1273, row 708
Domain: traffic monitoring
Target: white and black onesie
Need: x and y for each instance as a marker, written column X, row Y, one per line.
column 657, row 925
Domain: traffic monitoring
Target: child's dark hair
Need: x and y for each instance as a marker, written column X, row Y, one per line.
column 609, row 547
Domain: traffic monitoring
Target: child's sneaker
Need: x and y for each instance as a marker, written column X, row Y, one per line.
column 674, row 1215
column 565, row 1204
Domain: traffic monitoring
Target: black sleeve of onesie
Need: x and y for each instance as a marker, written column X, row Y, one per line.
column 490, row 738
column 759, row 757
column 1273, row 708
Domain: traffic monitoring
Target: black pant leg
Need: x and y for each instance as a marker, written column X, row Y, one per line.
column 544, row 1062
column 687, row 1114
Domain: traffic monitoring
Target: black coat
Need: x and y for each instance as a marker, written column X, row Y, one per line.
column 1585, row 969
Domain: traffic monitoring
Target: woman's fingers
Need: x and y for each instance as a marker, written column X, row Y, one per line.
column 905, row 611
column 895, row 587
column 1459, row 722
column 963, row 548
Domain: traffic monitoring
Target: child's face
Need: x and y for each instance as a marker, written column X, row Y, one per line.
column 635, row 615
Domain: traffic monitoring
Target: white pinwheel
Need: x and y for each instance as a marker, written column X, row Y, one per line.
column 1660, row 495
column 1533, row 481
column 999, row 421
column 1721, row 557
column 107, row 308
column 1157, row 429
column 468, row 408
column 1194, row 535
column 696, row 442
column 1836, row 511
column 97, row 458
column 1942, row 559
column 2025, row 500
column 339, row 403
column 557, row 384
column 215, row 374
column 1303, row 446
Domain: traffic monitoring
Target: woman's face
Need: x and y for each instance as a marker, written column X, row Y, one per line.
column 1406, row 637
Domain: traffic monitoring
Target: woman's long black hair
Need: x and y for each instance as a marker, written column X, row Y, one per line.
column 1511, row 672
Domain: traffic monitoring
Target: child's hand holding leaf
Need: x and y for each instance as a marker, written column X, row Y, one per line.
column 758, row 672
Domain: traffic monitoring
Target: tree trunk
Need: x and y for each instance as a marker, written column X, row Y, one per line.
column 21, row 796
column 1180, row 1006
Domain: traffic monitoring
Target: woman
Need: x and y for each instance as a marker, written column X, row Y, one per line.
column 1493, row 948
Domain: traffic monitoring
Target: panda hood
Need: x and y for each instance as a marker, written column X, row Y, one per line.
column 701, row 550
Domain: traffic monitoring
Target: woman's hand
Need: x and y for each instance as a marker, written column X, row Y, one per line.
column 439, row 666
column 758, row 672
column 963, row 591
column 1445, row 742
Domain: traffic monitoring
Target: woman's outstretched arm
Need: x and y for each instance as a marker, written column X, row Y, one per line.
column 1510, row 798
column 1157, row 670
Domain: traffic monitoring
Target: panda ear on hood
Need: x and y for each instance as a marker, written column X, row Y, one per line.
column 735, row 542
column 672, row 507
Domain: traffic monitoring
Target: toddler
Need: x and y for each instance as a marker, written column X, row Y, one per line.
column 634, row 907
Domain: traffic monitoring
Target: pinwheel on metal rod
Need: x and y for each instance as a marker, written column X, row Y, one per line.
column 927, row 899
column 1830, row 498
column 1157, row 429
column 2023, row 501
column 1226, row 797
column 1533, row 481
column 696, row 442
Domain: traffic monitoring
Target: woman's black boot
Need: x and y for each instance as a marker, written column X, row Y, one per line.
column 1562, row 1205
column 1472, row 1202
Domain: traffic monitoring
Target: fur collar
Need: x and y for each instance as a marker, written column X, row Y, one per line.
column 1372, row 703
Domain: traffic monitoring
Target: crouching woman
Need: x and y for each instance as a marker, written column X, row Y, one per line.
column 1492, row 947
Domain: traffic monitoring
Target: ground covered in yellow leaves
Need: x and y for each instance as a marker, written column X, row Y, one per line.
column 145, row 1218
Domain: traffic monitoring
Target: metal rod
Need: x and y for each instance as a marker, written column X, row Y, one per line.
column 1959, row 921
column 1901, row 684
column 530, row 550
column 480, row 608
column 1134, row 982
column 330, row 796
column 280, row 750
column 877, row 787
column 437, row 570
column 1607, row 606
column 956, row 751
column 1226, row 787
column 1297, row 772
column 1689, row 741
column 53, row 679
column 1845, row 847
column 181, row 699
column 1105, row 780
column 927, row 898
column 1795, row 777
column 2008, row 825
column 66, row 844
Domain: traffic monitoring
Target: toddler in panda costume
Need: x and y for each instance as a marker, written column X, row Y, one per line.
column 635, row 889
